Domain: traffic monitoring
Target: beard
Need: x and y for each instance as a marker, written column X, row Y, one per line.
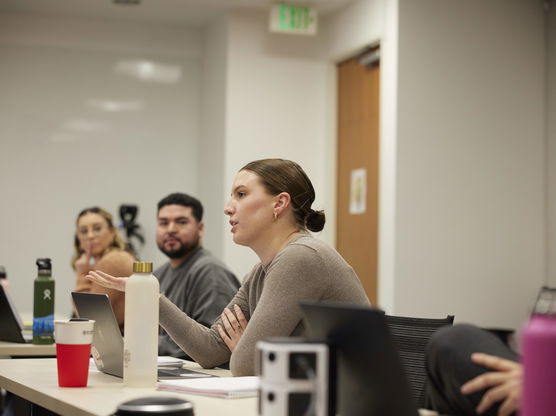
column 181, row 251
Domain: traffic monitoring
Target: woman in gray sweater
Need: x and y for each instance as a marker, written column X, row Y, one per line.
column 270, row 212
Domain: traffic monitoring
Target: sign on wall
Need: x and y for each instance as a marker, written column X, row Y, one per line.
column 358, row 191
column 298, row 20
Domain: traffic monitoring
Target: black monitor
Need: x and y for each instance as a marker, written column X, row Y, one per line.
column 371, row 380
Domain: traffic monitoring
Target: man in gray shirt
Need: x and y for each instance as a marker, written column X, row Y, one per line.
column 194, row 280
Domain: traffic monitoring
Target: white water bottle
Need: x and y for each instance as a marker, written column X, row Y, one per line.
column 141, row 327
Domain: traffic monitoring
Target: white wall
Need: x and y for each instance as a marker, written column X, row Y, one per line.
column 52, row 167
column 470, row 223
column 348, row 32
column 551, row 142
column 462, row 168
column 355, row 27
column 212, row 146
column 275, row 108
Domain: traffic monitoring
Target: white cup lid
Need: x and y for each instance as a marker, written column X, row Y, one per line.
column 76, row 332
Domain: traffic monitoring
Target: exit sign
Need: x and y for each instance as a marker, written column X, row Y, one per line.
column 299, row 20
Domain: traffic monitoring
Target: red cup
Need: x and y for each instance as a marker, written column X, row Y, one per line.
column 73, row 349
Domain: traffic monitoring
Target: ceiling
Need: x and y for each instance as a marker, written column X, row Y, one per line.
column 178, row 12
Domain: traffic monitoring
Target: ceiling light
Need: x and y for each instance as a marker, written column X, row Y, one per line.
column 113, row 106
column 82, row 125
column 149, row 71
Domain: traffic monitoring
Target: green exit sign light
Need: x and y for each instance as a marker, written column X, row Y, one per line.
column 300, row 20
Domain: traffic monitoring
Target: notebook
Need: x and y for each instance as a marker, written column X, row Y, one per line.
column 12, row 327
column 224, row 387
column 108, row 344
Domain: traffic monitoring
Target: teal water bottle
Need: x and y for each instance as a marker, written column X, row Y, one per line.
column 43, row 304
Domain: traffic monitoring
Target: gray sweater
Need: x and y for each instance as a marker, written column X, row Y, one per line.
column 305, row 269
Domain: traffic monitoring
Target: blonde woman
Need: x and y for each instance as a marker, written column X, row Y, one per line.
column 99, row 246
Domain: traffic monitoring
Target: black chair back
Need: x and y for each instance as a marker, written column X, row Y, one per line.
column 411, row 336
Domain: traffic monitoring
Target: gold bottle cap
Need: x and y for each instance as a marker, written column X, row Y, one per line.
column 142, row 267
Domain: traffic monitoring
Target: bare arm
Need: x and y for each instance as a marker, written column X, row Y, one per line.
column 503, row 384
column 108, row 281
column 118, row 263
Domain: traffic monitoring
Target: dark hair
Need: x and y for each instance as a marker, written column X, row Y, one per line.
column 280, row 175
column 118, row 241
column 184, row 200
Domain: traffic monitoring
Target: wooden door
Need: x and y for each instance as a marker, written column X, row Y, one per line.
column 358, row 150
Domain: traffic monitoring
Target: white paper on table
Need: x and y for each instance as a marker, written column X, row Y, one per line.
column 225, row 387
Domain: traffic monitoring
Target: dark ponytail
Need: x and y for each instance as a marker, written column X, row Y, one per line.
column 314, row 220
column 280, row 175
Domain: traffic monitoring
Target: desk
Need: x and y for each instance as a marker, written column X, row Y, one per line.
column 36, row 380
column 16, row 349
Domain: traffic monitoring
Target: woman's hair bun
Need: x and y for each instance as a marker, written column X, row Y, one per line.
column 314, row 221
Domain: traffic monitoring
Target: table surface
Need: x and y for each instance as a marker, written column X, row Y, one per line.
column 15, row 349
column 35, row 379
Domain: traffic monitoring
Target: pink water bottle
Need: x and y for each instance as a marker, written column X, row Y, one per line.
column 539, row 358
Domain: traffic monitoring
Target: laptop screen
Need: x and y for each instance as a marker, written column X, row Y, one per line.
column 11, row 327
column 371, row 380
column 108, row 344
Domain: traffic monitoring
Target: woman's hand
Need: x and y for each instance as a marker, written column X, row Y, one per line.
column 104, row 279
column 234, row 326
column 83, row 263
column 504, row 384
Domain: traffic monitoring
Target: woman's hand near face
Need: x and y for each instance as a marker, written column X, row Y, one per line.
column 83, row 263
column 106, row 280
column 234, row 326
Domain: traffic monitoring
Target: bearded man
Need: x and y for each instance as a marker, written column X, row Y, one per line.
column 193, row 279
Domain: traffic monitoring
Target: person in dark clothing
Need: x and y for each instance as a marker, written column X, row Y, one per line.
column 472, row 372
column 194, row 280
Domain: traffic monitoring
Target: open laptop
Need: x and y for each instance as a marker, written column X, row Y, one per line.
column 11, row 328
column 370, row 377
column 108, row 344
